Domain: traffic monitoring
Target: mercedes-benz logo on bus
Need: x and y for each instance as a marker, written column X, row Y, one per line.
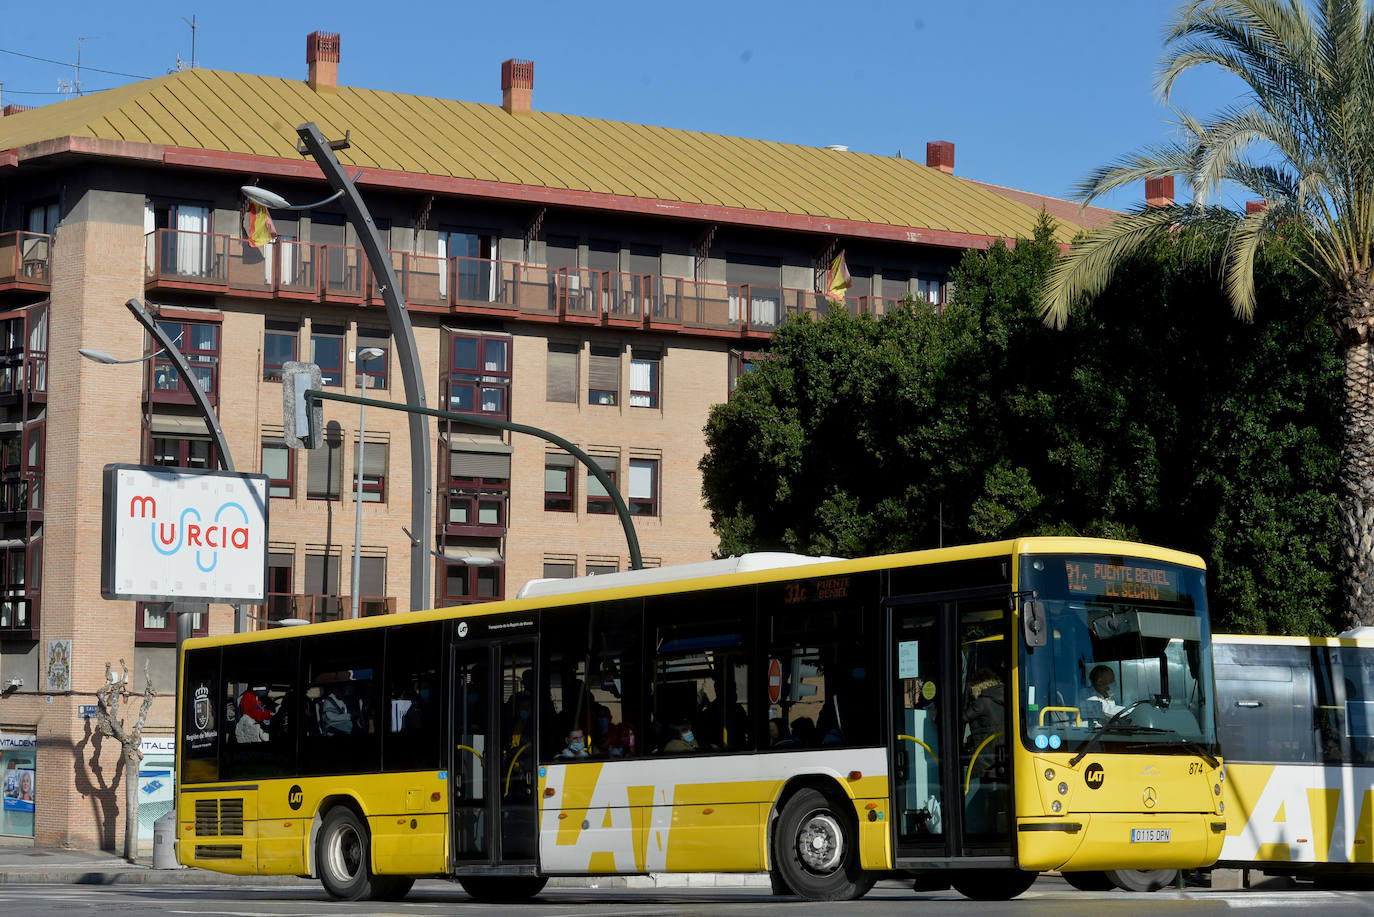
column 1149, row 797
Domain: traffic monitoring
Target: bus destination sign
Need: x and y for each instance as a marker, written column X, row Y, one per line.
column 1122, row 581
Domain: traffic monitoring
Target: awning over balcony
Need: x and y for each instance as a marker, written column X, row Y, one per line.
column 179, row 425
column 460, row 555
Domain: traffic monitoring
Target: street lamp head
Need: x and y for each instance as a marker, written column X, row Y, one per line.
column 98, row 356
column 370, row 353
column 265, row 198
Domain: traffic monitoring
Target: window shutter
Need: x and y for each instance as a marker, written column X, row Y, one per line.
column 641, row 479
column 479, row 465
column 562, row 373
column 275, row 460
column 374, row 458
column 324, row 473
column 603, row 372
column 372, row 576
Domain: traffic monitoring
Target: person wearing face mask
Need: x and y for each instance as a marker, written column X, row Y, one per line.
column 685, row 740
column 576, row 745
column 1100, row 703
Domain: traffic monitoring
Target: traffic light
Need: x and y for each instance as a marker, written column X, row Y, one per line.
column 302, row 420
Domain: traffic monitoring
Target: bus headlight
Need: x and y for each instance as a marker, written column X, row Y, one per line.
column 1049, row 773
column 1221, row 808
column 1216, row 788
column 1063, row 789
column 1056, row 806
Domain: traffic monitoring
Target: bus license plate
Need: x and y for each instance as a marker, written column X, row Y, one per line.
column 1150, row 835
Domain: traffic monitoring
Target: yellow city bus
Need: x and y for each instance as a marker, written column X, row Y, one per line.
column 828, row 721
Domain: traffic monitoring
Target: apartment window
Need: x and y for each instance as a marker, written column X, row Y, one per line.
column 41, row 217
column 472, row 254
column 561, row 381
column 199, row 344
column 559, row 477
column 598, row 498
column 755, row 283
column 741, row 364
column 930, row 289
column 278, row 348
column 602, row 567
column 372, row 597
column 896, row 283
column 322, row 601
column 281, row 603
column 464, row 584
column 603, row 375
column 373, row 459
column 280, row 467
column 479, row 375
column 157, row 621
column 560, row 569
column 479, row 488
column 374, row 374
column 645, row 369
column 184, row 452
column 327, row 352
column 324, row 470
column 185, row 246
column 643, row 490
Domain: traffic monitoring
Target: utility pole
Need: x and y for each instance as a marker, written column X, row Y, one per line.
column 192, row 23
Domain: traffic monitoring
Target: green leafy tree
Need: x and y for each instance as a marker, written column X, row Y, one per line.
column 1303, row 143
column 1155, row 417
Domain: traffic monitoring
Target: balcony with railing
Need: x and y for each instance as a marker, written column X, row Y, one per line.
column 318, row 607
column 25, row 261
column 23, row 374
column 209, row 262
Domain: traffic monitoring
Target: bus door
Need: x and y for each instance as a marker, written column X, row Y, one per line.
column 492, row 777
column 951, row 761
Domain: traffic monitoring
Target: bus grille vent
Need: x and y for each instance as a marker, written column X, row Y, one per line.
column 219, row 851
column 219, row 818
column 207, row 818
column 231, row 817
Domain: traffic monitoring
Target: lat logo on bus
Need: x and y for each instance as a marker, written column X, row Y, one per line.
column 295, row 796
column 1094, row 776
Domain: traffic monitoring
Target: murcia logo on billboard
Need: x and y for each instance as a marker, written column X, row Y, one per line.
column 224, row 533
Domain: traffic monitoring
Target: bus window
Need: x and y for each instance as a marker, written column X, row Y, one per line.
column 1269, row 715
column 259, row 710
column 592, row 667
column 700, row 679
column 825, row 692
column 414, row 726
column 341, row 703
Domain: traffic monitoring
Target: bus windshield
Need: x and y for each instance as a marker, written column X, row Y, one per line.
column 1126, row 665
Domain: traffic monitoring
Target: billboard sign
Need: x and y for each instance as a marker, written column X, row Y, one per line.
column 180, row 534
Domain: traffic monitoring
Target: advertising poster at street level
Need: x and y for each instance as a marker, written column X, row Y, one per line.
column 18, row 783
column 178, row 534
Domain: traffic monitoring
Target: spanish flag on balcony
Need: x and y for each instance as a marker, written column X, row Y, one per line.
column 258, row 228
column 838, row 284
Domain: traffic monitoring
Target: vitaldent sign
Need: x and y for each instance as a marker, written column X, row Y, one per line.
column 177, row 534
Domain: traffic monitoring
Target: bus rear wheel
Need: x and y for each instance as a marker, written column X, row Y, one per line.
column 343, row 853
column 1142, row 880
column 503, row 889
column 992, row 884
column 816, row 849
column 1089, row 881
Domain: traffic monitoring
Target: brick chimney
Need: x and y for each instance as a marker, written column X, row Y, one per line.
column 13, row 110
column 517, row 86
column 940, row 155
column 1159, row 191
column 322, row 57
column 1255, row 206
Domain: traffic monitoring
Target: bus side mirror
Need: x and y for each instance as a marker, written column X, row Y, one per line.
column 1033, row 622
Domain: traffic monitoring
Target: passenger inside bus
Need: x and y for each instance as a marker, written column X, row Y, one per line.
column 334, row 714
column 684, row 739
column 1099, row 704
column 985, row 750
column 575, row 746
column 255, row 717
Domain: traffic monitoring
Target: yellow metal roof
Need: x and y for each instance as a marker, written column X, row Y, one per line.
column 257, row 115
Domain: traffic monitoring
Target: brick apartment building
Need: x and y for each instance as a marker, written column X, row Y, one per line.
column 605, row 281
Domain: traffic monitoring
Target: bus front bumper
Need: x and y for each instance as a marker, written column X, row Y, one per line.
column 1095, row 841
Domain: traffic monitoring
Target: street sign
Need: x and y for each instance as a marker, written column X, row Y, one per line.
column 774, row 681
column 180, row 534
column 87, row 711
column 302, row 421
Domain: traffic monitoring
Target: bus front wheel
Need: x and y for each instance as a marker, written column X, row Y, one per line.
column 503, row 889
column 343, row 854
column 816, row 849
column 992, row 884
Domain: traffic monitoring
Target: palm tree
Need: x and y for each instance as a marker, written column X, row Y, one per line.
column 1303, row 143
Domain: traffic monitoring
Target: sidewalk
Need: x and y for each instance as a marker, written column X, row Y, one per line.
column 56, row 866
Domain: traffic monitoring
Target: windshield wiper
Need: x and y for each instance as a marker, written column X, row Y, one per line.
column 1101, row 730
column 1187, row 745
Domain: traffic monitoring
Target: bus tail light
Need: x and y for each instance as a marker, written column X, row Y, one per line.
column 856, row 775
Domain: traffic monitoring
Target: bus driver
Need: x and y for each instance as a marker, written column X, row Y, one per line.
column 1099, row 704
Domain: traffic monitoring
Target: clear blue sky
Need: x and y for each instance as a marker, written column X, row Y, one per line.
column 1033, row 94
